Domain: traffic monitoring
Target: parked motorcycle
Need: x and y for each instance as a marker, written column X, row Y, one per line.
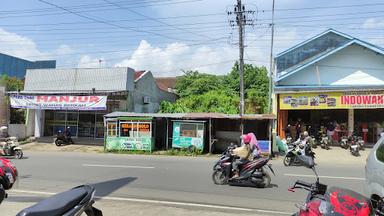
column 8, row 177
column 313, row 142
column 332, row 201
column 324, row 142
column 344, row 142
column 73, row 202
column 62, row 139
column 296, row 149
column 253, row 173
column 360, row 142
column 11, row 148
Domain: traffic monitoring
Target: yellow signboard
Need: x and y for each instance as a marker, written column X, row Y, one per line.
column 332, row 100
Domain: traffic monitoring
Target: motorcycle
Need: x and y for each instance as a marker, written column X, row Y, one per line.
column 252, row 173
column 313, row 141
column 62, row 139
column 333, row 201
column 324, row 142
column 8, row 177
column 360, row 142
column 73, row 202
column 12, row 148
column 296, row 149
column 344, row 142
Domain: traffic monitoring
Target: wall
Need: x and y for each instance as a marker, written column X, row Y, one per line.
column 146, row 86
column 4, row 109
column 353, row 65
column 13, row 66
column 17, row 130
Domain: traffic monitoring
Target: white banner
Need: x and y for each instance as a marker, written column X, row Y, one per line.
column 59, row 102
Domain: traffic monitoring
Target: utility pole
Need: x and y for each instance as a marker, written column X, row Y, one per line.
column 271, row 80
column 241, row 20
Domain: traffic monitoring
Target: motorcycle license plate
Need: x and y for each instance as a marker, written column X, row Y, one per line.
column 10, row 177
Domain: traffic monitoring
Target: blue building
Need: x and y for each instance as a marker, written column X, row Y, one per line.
column 17, row 67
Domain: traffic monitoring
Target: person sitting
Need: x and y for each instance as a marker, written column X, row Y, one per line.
column 254, row 145
column 244, row 153
column 3, row 138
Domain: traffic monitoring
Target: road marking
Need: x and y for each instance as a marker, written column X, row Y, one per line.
column 185, row 204
column 330, row 177
column 118, row 166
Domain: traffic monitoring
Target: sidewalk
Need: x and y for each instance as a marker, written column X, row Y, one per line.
column 50, row 147
column 17, row 201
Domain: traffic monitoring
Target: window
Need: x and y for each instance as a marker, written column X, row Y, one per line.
column 380, row 152
column 188, row 130
column 135, row 129
column 112, row 129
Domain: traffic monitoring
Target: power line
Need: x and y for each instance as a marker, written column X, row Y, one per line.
column 106, row 22
column 328, row 7
column 154, row 19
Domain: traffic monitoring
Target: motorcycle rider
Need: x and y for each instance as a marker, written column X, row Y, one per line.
column 244, row 153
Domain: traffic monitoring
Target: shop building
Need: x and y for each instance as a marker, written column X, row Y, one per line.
column 332, row 77
column 79, row 98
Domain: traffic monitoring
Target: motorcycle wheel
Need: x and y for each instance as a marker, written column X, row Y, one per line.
column 57, row 142
column 266, row 179
column 218, row 177
column 18, row 154
column 287, row 161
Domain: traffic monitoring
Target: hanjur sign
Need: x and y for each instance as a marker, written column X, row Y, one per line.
column 59, row 102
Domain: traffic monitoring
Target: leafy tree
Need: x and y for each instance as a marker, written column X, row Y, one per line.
column 11, row 83
column 210, row 93
column 195, row 83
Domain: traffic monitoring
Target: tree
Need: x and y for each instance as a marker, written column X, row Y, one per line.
column 17, row 116
column 256, row 87
column 201, row 92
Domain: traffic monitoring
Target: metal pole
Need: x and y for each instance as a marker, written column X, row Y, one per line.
column 271, row 74
column 239, row 19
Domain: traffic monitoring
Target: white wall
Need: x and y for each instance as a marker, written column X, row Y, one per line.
column 353, row 65
column 17, row 130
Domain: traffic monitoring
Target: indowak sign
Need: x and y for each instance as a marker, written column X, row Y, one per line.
column 332, row 100
column 59, row 102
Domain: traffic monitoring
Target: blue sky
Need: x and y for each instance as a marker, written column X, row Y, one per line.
column 167, row 36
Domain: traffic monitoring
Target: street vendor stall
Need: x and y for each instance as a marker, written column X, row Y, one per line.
column 187, row 134
column 126, row 133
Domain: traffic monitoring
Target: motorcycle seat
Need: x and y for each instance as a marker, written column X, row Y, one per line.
column 58, row 204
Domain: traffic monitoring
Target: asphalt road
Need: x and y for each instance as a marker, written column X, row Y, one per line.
column 175, row 179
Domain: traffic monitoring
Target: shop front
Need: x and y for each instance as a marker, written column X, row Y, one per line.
column 129, row 133
column 348, row 112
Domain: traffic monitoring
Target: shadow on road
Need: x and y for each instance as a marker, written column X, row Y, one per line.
column 107, row 187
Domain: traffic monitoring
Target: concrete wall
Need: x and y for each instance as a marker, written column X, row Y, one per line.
column 17, row 130
column 354, row 65
column 147, row 87
column 4, row 109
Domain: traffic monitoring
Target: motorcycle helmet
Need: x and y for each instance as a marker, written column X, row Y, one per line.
column 305, row 133
column 246, row 139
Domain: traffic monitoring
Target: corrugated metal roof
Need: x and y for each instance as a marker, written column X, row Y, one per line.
column 80, row 79
column 191, row 115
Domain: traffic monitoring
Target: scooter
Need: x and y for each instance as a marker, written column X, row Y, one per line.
column 296, row 149
column 333, row 201
column 62, row 139
column 252, row 173
column 12, row 148
column 8, row 177
column 360, row 142
column 344, row 142
column 73, row 202
column 324, row 142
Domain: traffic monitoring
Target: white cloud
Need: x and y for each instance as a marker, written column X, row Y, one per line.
column 63, row 50
column 372, row 23
column 89, row 62
column 19, row 46
column 173, row 58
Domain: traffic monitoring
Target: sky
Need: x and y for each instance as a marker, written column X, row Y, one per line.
column 168, row 37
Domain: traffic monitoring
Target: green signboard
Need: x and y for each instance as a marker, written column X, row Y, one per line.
column 129, row 143
column 186, row 134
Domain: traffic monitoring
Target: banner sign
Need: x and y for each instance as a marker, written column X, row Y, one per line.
column 59, row 102
column 332, row 100
column 129, row 144
column 180, row 141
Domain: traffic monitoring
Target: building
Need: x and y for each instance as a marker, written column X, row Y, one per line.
column 79, row 98
column 331, row 79
column 17, row 67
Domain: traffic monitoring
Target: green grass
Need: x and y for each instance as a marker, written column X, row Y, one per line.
column 171, row 152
